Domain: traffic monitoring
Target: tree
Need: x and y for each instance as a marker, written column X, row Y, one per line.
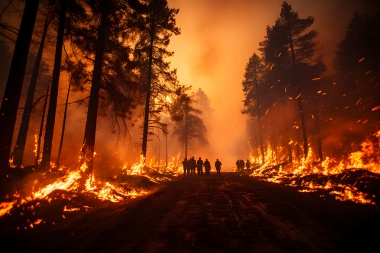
column 18, row 151
column 90, row 130
column 9, row 106
column 189, row 126
column 254, row 72
column 65, row 7
column 357, row 64
column 48, row 140
column 289, row 50
column 161, row 22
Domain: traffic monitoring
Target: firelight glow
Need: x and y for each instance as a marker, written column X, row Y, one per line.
column 218, row 37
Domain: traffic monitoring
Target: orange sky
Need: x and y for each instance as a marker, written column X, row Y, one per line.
column 218, row 37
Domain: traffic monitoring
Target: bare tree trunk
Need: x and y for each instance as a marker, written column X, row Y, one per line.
column 186, row 127
column 90, row 130
column 298, row 95
column 49, row 132
column 38, row 148
column 259, row 117
column 148, row 90
column 319, row 141
column 288, row 146
column 9, row 106
column 18, row 151
column 63, row 127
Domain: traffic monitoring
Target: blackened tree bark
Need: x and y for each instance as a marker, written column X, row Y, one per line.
column 8, row 111
column 90, row 130
column 149, row 84
column 258, row 114
column 63, row 127
column 38, row 148
column 298, row 90
column 160, row 25
column 49, row 132
column 186, row 127
column 18, row 151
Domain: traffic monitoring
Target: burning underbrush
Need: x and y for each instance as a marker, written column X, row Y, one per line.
column 355, row 177
column 33, row 198
column 356, row 185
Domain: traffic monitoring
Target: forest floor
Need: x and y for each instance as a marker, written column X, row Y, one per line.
column 229, row 212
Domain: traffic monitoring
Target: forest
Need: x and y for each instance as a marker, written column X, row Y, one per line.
column 303, row 115
column 103, row 68
column 112, row 59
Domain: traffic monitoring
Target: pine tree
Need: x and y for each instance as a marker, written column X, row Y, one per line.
column 161, row 23
column 190, row 127
column 289, row 50
column 357, row 64
column 18, row 151
column 8, row 111
column 90, row 130
column 254, row 72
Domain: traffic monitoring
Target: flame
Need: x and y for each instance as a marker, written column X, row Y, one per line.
column 5, row 207
column 135, row 169
column 35, row 144
column 277, row 170
column 68, row 183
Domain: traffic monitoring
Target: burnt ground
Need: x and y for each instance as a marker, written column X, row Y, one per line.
column 221, row 213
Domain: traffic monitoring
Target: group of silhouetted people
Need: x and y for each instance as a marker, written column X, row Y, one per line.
column 192, row 166
column 240, row 165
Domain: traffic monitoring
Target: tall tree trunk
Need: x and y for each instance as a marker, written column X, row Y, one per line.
column 319, row 141
column 148, row 91
column 166, row 142
column 38, row 148
column 8, row 111
column 90, row 130
column 18, row 151
column 49, row 132
column 259, row 116
column 186, row 127
column 63, row 127
column 288, row 145
column 298, row 93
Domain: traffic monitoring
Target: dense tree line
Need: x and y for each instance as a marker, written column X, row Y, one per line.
column 296, row 107
column 114, row 51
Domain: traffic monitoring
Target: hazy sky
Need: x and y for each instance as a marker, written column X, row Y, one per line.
column 217, row 39
column 219, row 36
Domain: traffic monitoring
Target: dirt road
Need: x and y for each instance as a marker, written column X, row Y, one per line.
column 220, row 213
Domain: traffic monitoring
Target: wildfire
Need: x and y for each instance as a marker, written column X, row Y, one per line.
column 5, row 207
column 68, row 186
column 310, row 175
column 135, row 169
column 80, row 194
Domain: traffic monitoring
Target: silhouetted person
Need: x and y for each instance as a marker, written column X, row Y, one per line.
column 193, row 165
column 241, row 165
column 237, row 165
column 185, row 166
column 199, row 166
column 218, row 166
column 207, row 167
column 248, row 164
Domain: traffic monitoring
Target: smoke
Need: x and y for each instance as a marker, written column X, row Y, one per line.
column 218, row 37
